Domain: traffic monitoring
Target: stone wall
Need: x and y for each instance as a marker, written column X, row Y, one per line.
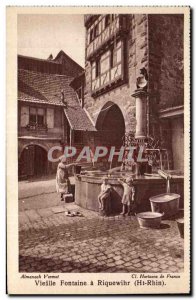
column 166, row 59
column 136, row 58
column 156, row 43
column 166, row 73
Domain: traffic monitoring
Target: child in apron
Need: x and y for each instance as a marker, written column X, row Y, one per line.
column 128, row 195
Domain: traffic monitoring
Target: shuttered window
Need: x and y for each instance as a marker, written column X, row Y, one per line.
column 36, row 116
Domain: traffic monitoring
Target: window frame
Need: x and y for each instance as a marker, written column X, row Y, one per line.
column 100, row 26
column 36, row 115
column 97, row 68
column 91, row 39
column 107, row 21
column 113, row 63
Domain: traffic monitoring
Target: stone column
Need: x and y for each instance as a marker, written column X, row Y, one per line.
column 141, row 117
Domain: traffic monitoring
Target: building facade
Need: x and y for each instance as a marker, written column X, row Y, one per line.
column 118, row 47
column 50, row 112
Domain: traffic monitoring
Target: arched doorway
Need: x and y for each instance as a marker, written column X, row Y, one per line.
column 33, row 161
column 110, row 124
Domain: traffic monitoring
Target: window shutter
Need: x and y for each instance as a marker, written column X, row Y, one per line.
column 50, row 118
column 24, row 120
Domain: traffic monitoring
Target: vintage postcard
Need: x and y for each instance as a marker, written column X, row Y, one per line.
column 98, row 150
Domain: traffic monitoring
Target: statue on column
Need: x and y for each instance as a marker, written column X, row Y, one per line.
column 142, row 80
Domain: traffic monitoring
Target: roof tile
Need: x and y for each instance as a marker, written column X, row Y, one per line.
column 46, row 89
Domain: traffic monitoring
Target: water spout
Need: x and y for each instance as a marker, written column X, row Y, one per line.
column 166, row 176
column 168, row 185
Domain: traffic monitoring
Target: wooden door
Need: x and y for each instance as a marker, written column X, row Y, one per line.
column 40, row 161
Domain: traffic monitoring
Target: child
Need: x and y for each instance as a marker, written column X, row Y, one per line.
column 104, row 196
column 128, row 195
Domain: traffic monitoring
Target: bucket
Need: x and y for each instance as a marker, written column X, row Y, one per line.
column 180, row 223
column 149, row 219
column 77, row 169
column 167, row 203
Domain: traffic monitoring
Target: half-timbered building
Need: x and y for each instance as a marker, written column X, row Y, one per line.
column 50, row 112
column 118, row 48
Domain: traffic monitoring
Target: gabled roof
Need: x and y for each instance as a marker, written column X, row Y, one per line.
column 62, row 64
column 20, row 56
column 62, row 55
column 78, row 119
column 57, row 60
column 42, row 87
column 46, row 88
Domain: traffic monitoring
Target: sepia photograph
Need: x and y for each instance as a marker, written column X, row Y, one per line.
column 102, row 178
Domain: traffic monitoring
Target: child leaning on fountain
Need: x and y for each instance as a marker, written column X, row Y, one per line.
column 104, row 194
column 128, row 195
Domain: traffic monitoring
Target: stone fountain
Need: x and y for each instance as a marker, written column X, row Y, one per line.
column 147, row 184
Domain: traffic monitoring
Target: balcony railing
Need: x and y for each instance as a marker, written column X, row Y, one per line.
column 118, row 26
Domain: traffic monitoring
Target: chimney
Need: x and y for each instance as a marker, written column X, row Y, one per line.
column 50, row 57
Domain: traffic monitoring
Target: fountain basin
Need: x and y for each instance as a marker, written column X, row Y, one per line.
column 116, row 174
column 167, row 203
column 88, row 187
column 149, row 219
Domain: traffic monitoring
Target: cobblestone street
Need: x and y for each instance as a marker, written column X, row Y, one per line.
column 50, row 241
